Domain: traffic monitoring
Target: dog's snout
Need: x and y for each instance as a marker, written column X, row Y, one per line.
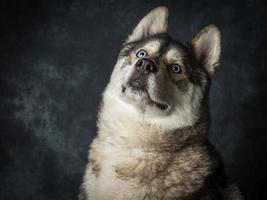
column 145, row 65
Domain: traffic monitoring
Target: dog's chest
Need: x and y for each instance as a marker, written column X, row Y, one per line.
column 134, row 173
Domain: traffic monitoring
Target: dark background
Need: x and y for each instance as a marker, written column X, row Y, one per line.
column 56, row 58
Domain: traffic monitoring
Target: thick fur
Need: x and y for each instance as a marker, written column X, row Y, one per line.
column 153, row 145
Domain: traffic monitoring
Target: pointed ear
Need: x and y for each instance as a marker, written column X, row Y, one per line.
column 207, row 48
column 156, row 21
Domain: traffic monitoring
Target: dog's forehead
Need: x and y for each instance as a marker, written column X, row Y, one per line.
column 153, row 46
column 165, row 46
column 174, row 52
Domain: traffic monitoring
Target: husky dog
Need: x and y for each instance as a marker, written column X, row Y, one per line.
column 153, row 121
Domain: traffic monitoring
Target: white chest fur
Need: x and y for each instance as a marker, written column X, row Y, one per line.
column 134, row 173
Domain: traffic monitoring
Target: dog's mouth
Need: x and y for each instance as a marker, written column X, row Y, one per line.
column 140, row 88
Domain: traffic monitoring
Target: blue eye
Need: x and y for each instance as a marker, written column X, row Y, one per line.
column 142, row 53
column 176, row 69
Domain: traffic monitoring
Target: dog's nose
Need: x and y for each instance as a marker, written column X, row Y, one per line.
column 145, row 65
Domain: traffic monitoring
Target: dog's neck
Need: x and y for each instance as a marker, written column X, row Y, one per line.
column 120, row 124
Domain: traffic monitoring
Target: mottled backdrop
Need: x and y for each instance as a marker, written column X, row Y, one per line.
column 56, row 58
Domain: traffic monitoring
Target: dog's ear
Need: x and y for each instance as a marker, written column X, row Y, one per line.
column 156, row 21
column 207, row 48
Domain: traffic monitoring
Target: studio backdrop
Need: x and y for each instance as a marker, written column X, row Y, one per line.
column 57, row 56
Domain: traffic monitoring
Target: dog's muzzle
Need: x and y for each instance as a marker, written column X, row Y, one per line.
column 143, row 67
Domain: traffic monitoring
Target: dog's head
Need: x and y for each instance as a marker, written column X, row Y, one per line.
column 161, row 78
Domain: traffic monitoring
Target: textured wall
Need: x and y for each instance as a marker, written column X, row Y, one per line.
column 56, row 57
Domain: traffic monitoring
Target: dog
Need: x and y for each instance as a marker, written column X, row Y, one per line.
column 152, row 139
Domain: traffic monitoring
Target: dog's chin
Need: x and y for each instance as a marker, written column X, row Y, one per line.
column 142, row 96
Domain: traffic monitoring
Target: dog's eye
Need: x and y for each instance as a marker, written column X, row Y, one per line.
column 142, row 53
column 176, row 69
